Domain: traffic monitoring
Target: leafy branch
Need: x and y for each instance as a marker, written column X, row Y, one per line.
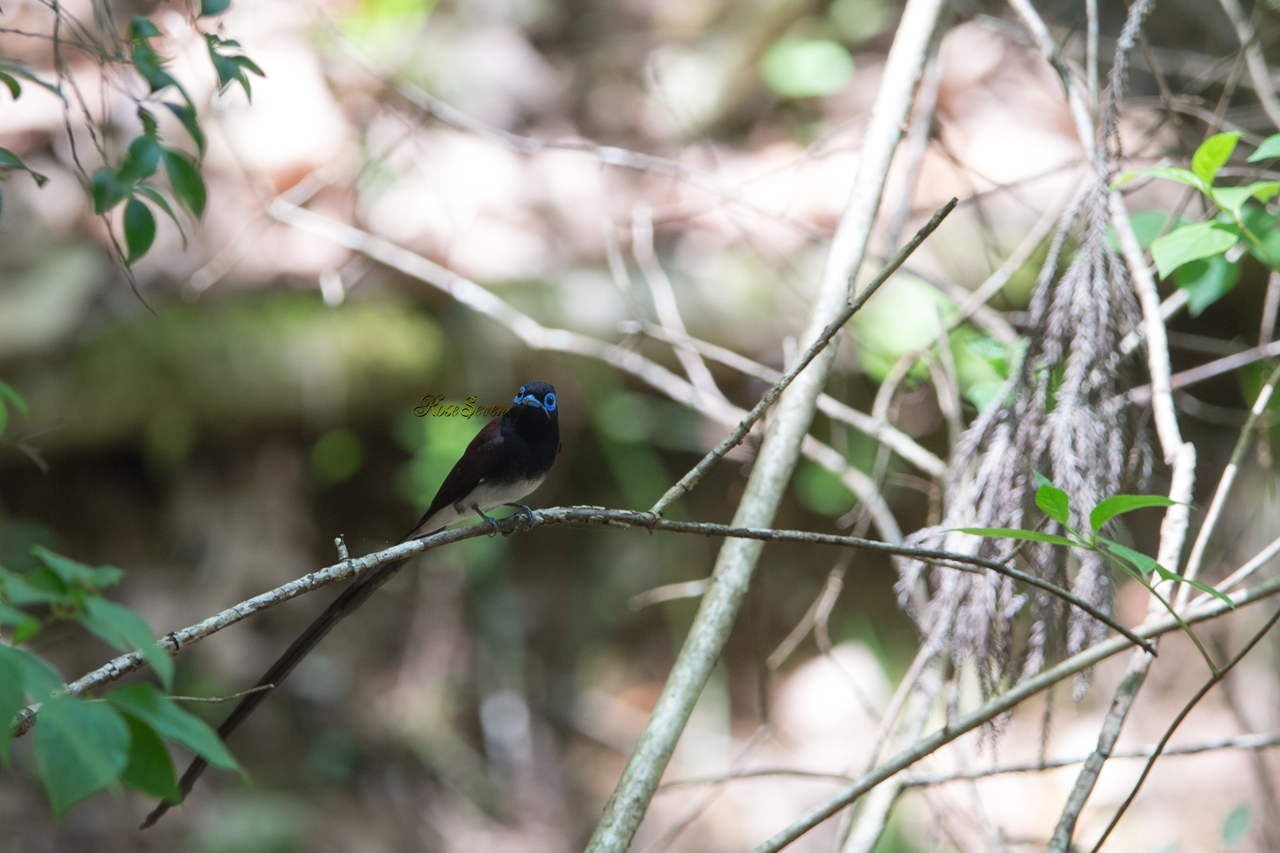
column 131, row 181
column 84, row 745
column 1054, row 503
column 1205, row 254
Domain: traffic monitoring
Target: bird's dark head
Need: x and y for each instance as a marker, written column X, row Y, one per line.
column 536, row 396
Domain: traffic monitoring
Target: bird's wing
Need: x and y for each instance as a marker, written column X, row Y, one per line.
column 478, row 460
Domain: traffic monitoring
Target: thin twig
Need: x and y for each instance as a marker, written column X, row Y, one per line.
column 1142, row 394
column 664, row 299
column 999, row 705
column 1270, row 306
column 1182, row 715
column 1249, row 742
column 1234, row 579
column 574, row 516
column 1192, row 570
column 690, row 479
column 917, row 141
column 668, row 592
column 218, row 700
column 606, row 155
column 872, row 425
column 1254, row 58
column 821, row 605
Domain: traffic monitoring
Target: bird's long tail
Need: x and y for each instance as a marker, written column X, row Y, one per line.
column 352, row 597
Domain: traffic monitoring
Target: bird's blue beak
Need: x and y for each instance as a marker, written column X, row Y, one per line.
column 530, row 400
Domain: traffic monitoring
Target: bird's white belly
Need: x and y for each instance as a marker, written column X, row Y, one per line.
column 486, row 496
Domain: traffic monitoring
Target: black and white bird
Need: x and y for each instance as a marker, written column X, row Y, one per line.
column 506, row 461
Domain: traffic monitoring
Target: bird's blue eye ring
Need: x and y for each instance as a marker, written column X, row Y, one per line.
column 519, row 394
column 549, row 402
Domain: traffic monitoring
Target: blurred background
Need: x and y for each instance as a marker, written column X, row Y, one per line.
column 214, row 443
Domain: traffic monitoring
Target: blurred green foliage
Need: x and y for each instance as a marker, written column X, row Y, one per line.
column 336, row 455
column 436, row 444
column 859, row 20
column 982, row 365
column 806, row 68
column 904, row 317
column 228, row 364
column 821, row 491
column 376, row 25
column 254, row 822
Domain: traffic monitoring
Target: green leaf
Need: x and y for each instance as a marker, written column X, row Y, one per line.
column 122, row 628
column 38, row 678
column 9, row 160
column 143, row 701
column 1269, row 148
column 227, row 70
column 187, row 115
column 1053, row 503
column 1263, row 226
column 11, row 696
column 1231, row 199
column 1012, row 533
column 149, row 126
column 1206, row 281
column 73, row 573
column 40, row 586
column 81, row 747
column 25, row 626
column 21, row 69
column 1235, row 829
column 184, row 177
column 1213, row 154
column 1134, row 562
column 1167, row 575
column 248, row 65
column 13, row 398
column 161, row 202
column 1118, row 504
column 14, row 88
column 150, row 66
column 1142, row 561
column 1192, row 242
column 141, row 160
column 108, row 189
column 150, row 767
column 230, row 68
column 1169, row 173
column 141, row 29
column 146, row 60
column 1146, row 227
column 139, row 228
column 213, row 7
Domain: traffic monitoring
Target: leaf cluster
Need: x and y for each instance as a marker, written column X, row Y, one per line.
column 85, row 745
column 1205, row 255
column 10, row 71
column 130, row 181
column 1055, row 504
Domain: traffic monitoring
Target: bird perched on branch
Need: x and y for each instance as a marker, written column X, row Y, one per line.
column 506, row 461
